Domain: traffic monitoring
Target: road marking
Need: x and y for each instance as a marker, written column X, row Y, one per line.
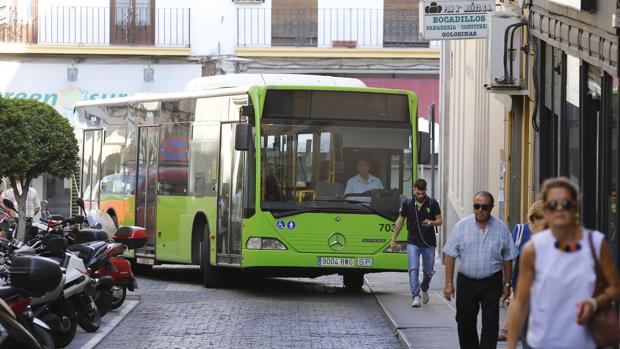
column 102, row 333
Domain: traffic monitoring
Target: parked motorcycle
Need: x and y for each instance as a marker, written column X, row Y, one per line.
column 117, row 267
column 31, row 277
column 72, row 304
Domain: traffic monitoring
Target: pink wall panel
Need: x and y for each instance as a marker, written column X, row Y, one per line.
column 427, row 89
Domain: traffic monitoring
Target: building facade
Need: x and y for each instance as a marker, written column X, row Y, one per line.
column 576, row 102
column 562, row 121
column 63, row 51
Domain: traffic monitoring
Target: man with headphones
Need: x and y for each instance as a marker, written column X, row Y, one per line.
column 423, row 215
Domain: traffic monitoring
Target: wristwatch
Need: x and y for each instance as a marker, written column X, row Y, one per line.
column 507, row 284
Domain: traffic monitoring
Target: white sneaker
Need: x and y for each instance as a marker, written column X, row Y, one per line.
column 424, row 297
column 416, row 302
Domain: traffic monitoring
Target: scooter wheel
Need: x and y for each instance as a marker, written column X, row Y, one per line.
column 62, row 339
column 119, row 293
column 66, row 333
column 89, row 321
column 44, row 337
column 103, row 300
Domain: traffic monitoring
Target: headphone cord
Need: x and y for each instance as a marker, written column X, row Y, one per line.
column 417, row 219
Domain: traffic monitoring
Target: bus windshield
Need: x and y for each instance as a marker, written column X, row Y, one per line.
column 333, row 167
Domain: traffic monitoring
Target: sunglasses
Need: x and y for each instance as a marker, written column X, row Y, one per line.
column 556, row 205
column 484, row 207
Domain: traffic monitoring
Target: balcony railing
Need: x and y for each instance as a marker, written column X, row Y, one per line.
column 334, row 27
column 81, row 25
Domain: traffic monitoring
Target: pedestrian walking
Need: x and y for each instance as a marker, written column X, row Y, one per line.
column 521, row 234
column 423, row 215
column 557, row 276
column 485, row 249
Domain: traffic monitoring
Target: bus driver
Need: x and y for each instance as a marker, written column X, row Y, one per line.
column 363, row 181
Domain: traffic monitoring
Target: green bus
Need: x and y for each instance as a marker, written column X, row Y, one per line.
column 255, row 172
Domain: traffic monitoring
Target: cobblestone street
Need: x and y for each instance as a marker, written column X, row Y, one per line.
column 176, row 311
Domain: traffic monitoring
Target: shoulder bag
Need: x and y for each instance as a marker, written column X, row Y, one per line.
column 604, row 325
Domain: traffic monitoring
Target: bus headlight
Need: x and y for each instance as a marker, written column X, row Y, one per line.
column 265, row 244
column 402, row 247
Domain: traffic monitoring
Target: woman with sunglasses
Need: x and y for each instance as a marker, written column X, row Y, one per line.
column 557, row 276
column 521, row 235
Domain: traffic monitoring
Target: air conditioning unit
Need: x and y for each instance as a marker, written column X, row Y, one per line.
column 248, row 1
column 505, row 52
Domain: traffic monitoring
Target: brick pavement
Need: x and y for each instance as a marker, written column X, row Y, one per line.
column 177, row 312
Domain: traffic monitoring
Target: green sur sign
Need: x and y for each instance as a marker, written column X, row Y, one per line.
column 64, row 98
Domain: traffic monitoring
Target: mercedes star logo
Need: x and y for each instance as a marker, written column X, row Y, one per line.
column 336, row 241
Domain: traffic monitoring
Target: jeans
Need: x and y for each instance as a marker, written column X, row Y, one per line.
column 428, row 264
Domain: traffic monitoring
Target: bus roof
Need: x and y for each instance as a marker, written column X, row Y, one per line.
column 242, row 80
column 221, row 85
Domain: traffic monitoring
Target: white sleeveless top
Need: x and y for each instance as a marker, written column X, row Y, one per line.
column 561, row 281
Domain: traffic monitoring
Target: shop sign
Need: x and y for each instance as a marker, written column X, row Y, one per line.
column 581, row 5
column 455, row 19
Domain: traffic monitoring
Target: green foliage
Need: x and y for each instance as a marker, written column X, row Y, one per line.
column 35, row 139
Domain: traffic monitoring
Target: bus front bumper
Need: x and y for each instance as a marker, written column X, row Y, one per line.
column 323, row 263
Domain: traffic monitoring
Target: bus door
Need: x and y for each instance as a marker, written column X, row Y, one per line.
column 91, row 161
column 146, row 183
column 230, row 197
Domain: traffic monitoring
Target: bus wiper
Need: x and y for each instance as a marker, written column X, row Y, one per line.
column 309, row 209
column 294, row 212
column 365, row 205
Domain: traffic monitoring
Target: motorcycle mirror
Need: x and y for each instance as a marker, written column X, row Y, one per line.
column 80, row 203
column 8, row 203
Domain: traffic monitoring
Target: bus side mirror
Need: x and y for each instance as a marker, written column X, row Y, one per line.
column 424, row 148
column 242, row 136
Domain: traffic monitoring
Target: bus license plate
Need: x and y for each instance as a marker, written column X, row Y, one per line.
column 364, row 262
column 336, row 262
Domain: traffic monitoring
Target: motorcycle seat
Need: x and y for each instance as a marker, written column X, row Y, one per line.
column 62, row 260
column 84, row 252
column 8, row 292
column 98, row 246
column 89, row 250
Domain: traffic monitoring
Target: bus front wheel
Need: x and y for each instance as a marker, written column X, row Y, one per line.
column 353, row 281
column 211, row 275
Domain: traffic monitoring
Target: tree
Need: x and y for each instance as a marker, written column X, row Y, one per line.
column 34, row 139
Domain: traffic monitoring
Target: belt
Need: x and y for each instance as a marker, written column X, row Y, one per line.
column 488, row 278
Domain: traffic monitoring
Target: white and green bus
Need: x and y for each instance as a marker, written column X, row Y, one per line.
column 250, row 171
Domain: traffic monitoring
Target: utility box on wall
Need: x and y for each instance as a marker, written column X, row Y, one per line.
column 505, row 45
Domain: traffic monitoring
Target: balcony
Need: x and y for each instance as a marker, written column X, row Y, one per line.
column 328, row 28
column 96, row 27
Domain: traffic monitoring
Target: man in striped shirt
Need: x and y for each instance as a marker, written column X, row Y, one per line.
column 33, row 206
column 484, row 246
